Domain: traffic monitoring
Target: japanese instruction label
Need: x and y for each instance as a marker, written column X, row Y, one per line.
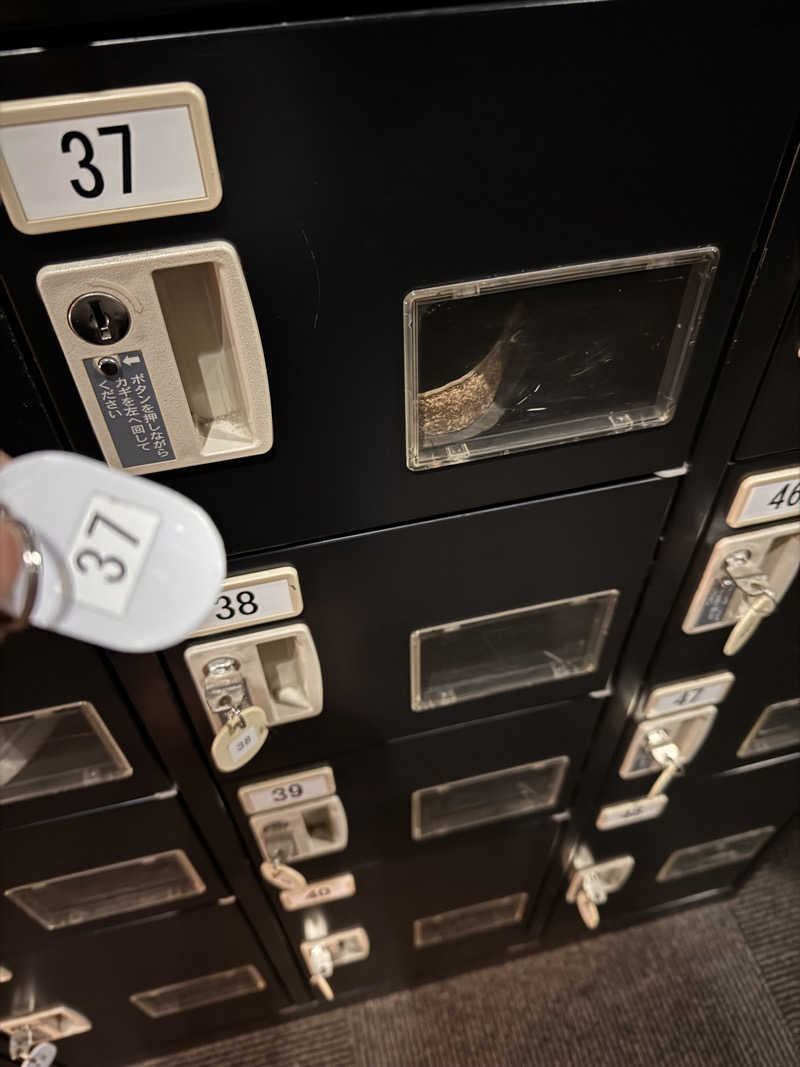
column 130, row 407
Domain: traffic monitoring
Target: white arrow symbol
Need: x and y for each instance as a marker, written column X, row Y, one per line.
column 131, row 359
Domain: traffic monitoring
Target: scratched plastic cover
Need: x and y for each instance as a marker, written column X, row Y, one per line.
column 528, row 360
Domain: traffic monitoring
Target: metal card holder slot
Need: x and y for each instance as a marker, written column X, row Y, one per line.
column 199, row 992
column 777, row 727
column 470, row 920
column 708, row 856
column 287, row 789
column 165, row 351
column 302, row 831
column 48, row 1024
column 742, row 568
column 685, row 729
column 53, row 750
column 278, row 668
column 689, row 693
column 485, row 798
column 102, row 892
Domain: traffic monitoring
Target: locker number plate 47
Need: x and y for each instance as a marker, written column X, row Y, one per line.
column 92, row 159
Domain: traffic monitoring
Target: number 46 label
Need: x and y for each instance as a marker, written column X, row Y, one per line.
column 98, row 158
column 767, row 496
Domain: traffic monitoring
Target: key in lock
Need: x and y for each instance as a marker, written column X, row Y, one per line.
column 244, row 728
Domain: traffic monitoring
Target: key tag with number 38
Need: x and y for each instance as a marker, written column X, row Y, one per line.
column 114, row 560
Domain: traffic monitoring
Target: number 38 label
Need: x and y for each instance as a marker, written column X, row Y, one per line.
column 249, row 599
column 67, row 159
column 109, row 552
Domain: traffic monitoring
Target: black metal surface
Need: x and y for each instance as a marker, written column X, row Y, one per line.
column 773, row 424
column 364, row 595
column 98, row 978
column 341, row 200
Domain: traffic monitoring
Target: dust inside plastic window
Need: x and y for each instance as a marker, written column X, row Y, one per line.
column 528, row 360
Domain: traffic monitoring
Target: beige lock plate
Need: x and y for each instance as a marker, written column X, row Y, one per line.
column 773, row 553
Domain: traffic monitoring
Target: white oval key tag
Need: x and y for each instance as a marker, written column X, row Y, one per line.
column 41, row 1055
column 282, row 876
column 588, row 910
column 123, row 563
column 237, row 743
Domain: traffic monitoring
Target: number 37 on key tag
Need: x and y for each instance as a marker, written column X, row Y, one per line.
column 118, row 561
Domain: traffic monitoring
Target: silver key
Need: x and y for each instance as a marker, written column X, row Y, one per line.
column 758, row 608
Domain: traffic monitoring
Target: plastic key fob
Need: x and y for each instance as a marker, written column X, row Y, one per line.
column 124, row 563
column 239, row 740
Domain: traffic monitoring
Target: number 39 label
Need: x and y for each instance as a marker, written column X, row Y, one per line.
column 109, row 552
column 87, row 160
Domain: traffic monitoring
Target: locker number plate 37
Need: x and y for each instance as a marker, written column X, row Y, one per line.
column 99, row 158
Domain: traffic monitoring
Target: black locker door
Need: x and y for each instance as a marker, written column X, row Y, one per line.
column 363, row 596
column 339, row 202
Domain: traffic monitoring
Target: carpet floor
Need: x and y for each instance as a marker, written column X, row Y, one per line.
column 715, row 986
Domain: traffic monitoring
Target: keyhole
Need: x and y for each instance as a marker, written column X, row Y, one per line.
column 99, row 318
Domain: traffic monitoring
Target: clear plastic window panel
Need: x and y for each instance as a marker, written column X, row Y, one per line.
column 101, row 892
column 527, row 646
column 778, row 727
column 199, row 992
column 48, row 1024
column 722, row 852
column 527, row 360
column 444, row 809
column 52, row 750
column 473, row 919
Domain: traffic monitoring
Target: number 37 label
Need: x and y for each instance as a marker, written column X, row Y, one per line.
column 106, row 157
column 109, row 552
